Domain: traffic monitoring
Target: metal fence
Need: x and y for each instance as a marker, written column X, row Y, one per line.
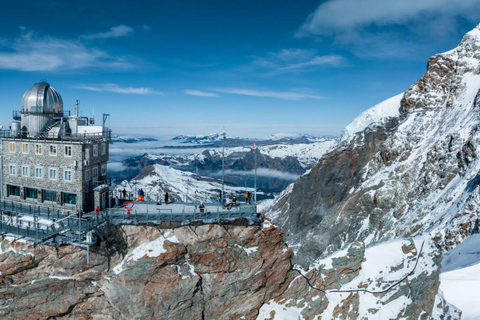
column 82, row 137
column 43, row 224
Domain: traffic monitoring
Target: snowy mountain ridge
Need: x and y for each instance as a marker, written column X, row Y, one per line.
column 406, row 167
column 181, row 185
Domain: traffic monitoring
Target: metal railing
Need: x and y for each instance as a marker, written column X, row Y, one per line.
column 81, row 137
column 40, row 111
column 43, row 224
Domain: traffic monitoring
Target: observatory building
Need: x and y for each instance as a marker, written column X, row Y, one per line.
column 50, row 157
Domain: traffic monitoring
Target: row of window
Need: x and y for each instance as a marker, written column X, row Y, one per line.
column 53, row 172
column 47, row 195
column 93, row 174
column 52, row 149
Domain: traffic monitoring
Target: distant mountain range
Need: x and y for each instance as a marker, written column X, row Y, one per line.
column 130, row 139
column 280, row 161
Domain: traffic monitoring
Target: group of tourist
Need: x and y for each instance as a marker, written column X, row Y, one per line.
column 234, row 203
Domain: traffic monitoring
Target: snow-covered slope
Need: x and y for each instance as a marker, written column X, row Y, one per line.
column 460, row 278
column 397, row 279
column 374, row 115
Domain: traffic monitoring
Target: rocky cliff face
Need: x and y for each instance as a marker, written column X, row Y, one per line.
column 415, row 173
column 205, row 272
column 360, row 283
column 216, row 272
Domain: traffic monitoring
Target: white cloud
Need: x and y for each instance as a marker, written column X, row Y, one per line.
column 199, row 93
column 345, row 15
column 264, row 172
column 114, row 32
column 296, row 60
column 111, row 87
column 332, row 60
column 31, row 53
column 391, row 28
column 285, row 95
column 116, row 167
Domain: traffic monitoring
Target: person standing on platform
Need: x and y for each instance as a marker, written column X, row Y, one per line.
column 166, row 197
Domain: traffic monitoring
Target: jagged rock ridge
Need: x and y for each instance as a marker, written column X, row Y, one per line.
column 413, row 173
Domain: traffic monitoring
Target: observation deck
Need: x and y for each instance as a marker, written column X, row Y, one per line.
column 45, row 225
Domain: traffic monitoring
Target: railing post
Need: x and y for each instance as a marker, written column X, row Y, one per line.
column 218, row 215
column 79, row 228
column 18, row 228
column 36, row 233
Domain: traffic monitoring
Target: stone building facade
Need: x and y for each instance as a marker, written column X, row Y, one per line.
column 62, row 169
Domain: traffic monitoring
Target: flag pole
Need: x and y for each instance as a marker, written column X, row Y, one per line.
column 223, row 168
column 255, row 178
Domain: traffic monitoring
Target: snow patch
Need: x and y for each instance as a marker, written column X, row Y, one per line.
column 149, row 249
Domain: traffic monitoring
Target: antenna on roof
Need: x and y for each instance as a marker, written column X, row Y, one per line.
column 77, row 105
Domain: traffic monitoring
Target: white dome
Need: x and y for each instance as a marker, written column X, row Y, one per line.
column 42, row 98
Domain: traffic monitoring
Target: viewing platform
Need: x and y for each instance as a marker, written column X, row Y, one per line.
column 44, row 225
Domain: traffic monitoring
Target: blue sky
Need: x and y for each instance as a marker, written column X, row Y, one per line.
column 253, row 67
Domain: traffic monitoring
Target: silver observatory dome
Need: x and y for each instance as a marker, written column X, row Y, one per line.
column 42, row 106
column 42, row 98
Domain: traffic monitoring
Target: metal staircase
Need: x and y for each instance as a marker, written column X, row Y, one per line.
column 50, row 124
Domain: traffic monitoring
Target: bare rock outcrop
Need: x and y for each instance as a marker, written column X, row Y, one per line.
column 209, row 272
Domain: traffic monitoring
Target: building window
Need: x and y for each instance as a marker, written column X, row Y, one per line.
column 95, row 173
column 103, row 170
column 104, row 148
column 95, row 150
column 53, row 149
column 38, row 148
column 38, row 173
column 68, row 151
column 87, row 174
column 31, row 193
column 13, row 169
column 25, row 171
column 67, row 175
column 25, row 148
column 69, row 198
column 52, row 174
column 12, row 147
column 50, row 195
column 13, row 190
